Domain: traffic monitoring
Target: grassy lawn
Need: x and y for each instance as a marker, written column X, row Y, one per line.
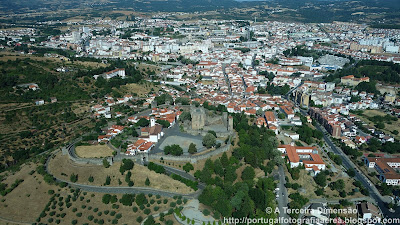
column 62, row 167
column 93, row 151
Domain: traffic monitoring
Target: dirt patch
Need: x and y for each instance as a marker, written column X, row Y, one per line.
column 140, row 89
column 62, row 167
column 166, row 218
column 93, row 151
column 305, row 181
column 26, row 201
column 87, row 207
column 388, row 127
column 308, row 184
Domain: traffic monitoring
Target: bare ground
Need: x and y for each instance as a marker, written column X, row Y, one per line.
column 90, row 204
column 94, row 151
column 62, row 167
column 26, row 201
column 388, row 127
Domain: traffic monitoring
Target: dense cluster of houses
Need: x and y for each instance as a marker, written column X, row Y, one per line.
column 113, row 131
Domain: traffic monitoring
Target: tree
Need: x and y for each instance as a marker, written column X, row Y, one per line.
column 127, row 164
column 91, row 179
column 164, row 123
column 320, row 179
column 143, row 122
column 218, row 168
column 150, row 221
column 209, row 140
column 380, row 125
column 128, row 176
column 106, row 198
column 188, row 167
column 147, row 182
column 230, row 174
column 106, row 164
column 338, row 185
column 224, row 160
column 355, row 98
column 185, row 116
column 192, row 148
column 174, row 149
column 248, row 173
column 351, row 172
column 212, row 132
column 73, row 178
column 141, row 199
column 108, row 180
column 127, row 199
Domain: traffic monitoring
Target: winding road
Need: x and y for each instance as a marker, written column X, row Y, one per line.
column 131, row 190
column 347, row 163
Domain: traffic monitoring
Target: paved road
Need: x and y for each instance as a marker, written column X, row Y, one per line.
column 129, row 190
column 283, row 195
column 182, row 173
column 132, row 190
column 175, row 131
column 347, row 163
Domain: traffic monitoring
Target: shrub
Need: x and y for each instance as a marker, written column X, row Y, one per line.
column 206, row 212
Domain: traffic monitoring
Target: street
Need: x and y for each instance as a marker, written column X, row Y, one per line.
column 347, row 163
column 283, row 195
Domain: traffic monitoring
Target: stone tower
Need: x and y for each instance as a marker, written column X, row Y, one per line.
column 305, row 100
column 230, row 123
column 154, row 104
column 198, row 118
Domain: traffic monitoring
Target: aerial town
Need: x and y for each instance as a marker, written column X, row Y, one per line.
column 161, row 121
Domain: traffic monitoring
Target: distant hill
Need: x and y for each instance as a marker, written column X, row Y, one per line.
column 21, row 6
column 379, row 12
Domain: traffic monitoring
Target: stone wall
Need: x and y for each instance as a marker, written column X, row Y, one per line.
column 192, row 158
column 70, row 150
column 204, row 132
